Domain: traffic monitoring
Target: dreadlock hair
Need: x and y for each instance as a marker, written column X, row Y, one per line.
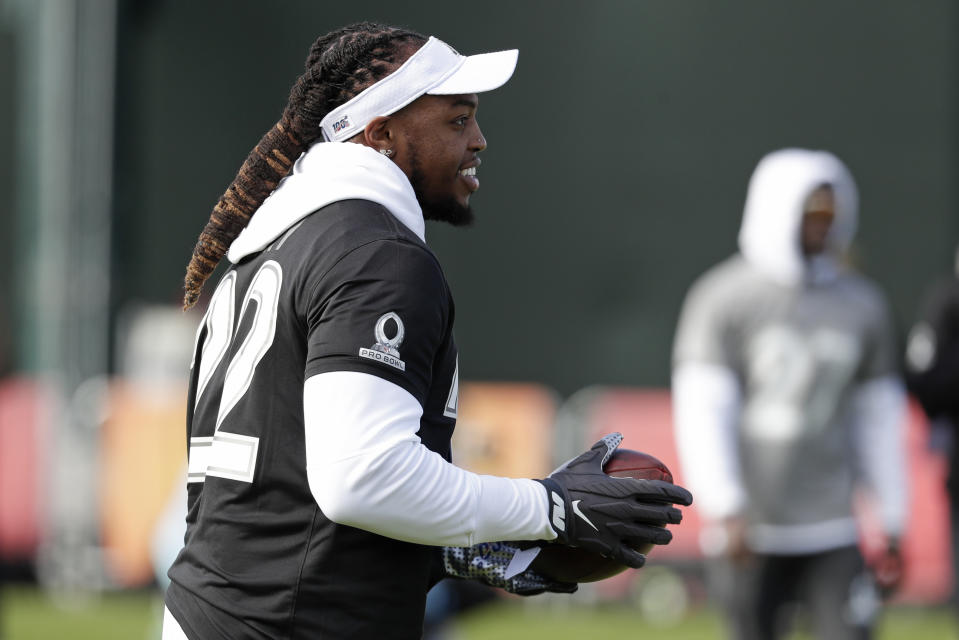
column 340, row 65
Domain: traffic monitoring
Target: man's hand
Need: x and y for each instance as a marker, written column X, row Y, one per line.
column 492, row 563
column 888, row 568
column 735, row 546
column 610, row 516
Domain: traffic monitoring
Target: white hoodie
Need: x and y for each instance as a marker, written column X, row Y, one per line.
column 769, row 236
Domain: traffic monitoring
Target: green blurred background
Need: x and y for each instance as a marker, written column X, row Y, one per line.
column 616, row 173
column 617, row 163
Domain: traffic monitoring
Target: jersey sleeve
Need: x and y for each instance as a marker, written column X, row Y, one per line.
column 882, row 358
column 383, row 309
column 702, row 333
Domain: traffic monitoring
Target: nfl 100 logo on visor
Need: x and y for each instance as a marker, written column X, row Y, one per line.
column 341, row 124
column 386, row 350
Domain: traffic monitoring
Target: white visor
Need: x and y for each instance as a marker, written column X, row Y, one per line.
column 435, row 69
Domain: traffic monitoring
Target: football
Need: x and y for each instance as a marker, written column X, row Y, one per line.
column 571, row 564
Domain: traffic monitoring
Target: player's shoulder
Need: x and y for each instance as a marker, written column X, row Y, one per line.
column 715, row 297
column 856, row 288
column 723, row 281
column 355, row 235
column 345, row 225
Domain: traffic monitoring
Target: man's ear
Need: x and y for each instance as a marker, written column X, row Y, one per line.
column 378, row 134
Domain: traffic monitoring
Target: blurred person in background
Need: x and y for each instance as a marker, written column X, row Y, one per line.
column 787, row 394
column 932, row 375
column 324, row 386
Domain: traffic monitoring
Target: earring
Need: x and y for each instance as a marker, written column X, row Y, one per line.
column 387, row 152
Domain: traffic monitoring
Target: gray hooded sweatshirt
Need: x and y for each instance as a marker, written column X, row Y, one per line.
column 785, row 383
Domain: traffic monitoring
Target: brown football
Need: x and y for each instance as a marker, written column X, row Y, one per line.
column 572, row 564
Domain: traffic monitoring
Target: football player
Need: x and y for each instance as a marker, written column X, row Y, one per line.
column 787, row 393
column 932, row 374
column 323, row 395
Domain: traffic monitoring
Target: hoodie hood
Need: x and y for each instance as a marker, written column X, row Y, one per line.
column 329, row 172
column 769, row 238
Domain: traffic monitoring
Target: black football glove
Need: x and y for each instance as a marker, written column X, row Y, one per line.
column 489, row 563
column 607, row 515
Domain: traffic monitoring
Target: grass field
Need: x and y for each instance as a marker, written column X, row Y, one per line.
column 26, row 614
column 518, row 623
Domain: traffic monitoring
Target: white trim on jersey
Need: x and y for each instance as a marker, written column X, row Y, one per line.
column 803, row 538
column 878, row 411
column 367, row 468
column 171, row 628
column 706, row 405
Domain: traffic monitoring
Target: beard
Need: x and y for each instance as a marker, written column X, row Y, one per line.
column 445, row 209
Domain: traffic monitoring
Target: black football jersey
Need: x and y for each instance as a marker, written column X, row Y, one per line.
column 349, row 288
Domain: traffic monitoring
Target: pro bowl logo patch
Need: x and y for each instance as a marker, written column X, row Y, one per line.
column 387, row 350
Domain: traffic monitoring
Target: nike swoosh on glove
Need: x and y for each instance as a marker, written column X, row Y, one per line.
column 489, row 563
column 607, row 515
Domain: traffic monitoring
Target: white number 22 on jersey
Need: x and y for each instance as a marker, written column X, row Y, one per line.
column 798, row 378
column 232, row 455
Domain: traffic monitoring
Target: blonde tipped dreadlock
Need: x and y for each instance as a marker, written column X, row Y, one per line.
column 340, row 65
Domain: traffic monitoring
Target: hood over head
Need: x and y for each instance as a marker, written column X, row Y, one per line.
column 770, row 234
